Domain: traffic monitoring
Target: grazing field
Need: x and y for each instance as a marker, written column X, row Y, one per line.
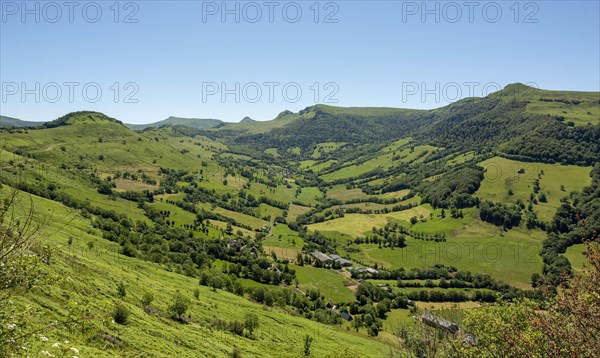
column 461, row 158
column 579, row 107
column 309, row 196
column 327, row 147
column 290, row 253
column 396, row 194
column 576, row 256
column 85, row 271
column 125, row 184
column 511, row 257
column 284, row 242
column 329, row 282
column 503, row 175
column 397, row 318
column 254, row 222
column 359, row 224
column 265, row 210
column 340, row 192
column 296, row 210
column 223, row 226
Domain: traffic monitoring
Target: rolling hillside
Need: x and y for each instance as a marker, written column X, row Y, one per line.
column 197, row 123
column 180, row 238
column 14, row 122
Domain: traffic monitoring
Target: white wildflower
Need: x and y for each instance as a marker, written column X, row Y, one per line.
column 11, row 326
column 44, row 339
column 66, row 342
column 56, row 345
column 46, row 353
column 75, row 350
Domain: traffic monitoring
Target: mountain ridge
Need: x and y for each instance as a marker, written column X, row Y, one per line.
column 6, row 121
column 198, row 123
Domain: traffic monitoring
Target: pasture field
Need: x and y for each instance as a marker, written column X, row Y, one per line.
column 511, row 257
column 384, row 160
column 459, row 159
column 267, row 210
column 329, row 282
column 88, row 277
column 359, row 224
column 326, row 147
column 309, row 196
column 296, row 210
column 397, row 318
column 340, row 192
column 131, row 185
column 576, row 256
column 579, row 107
column 290, row 253
column 503, row 175
column 254, row 222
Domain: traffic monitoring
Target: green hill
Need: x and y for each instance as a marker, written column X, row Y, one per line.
column 198, row 123
column 519, row 121
column 14, row 122
column 234, row 213
column 247, row 120
column 81, row 288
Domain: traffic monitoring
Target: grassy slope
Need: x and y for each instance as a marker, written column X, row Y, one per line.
column 587, row 111
column 502, row 175
column 329, row 282
column 89, row 277
column 473, row 245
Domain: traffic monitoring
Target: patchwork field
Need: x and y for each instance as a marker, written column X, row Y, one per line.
column 358, row 224
column 502, row 175
column 329, row 282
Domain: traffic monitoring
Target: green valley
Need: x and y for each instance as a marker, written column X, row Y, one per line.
column 318, row 233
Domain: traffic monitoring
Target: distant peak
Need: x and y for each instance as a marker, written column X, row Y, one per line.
column 516, row 91
column 247, row 120
column 80, row 117
column 519, row 85
column 284, row 114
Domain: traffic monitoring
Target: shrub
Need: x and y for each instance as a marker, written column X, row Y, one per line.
column 236, row 353
column 147, row 299
column 121, row 314
column 307, row 343
column 121, row 289
column 180, row 306
column 251, row 323
column 216, row 282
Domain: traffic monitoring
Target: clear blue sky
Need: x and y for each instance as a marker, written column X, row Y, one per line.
column 376, row 54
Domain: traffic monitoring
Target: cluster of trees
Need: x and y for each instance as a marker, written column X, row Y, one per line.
column 505, row 215
column 387, row 239
column 401, row 230
column 315, row 241
column 443, row 283
column 453, row 189
column 451, row 296
column 244, row 328
column 260, row 270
